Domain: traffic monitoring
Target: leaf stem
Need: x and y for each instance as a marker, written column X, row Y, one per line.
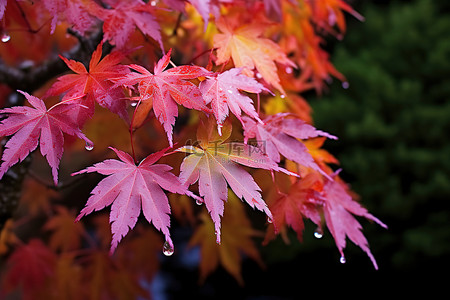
column 68, row 100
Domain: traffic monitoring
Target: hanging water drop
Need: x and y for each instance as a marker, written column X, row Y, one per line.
column 345, row 85
column 282, row 96
column 258, row 75
column 167, row 249
column 318, row 233
column 199, row 201
column 134, row 104
column 89, row 146
column 5, row 37
column 153, row 3
column 289, row 70
column 269, row 220
column 342, row 259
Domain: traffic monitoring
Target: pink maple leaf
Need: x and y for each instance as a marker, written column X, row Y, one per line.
column 339, row 208
column 167, row 89
column 222, row 91
column 281, row 134
column 130, row 187
column 32, row 125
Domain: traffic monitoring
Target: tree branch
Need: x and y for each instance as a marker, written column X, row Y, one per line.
column 30, row 79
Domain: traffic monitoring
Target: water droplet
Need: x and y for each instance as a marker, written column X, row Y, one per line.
column 258, row 75
column 199, row 201
column 342, row 260
column 289, row 70
column 5, row 37
column 167, row 249
column 269, row 220
column 89, row 146
column 153, row 3
column 345, row 85
column 282, row 96
column 134, row 104
column 230, row 91
column 318, row 233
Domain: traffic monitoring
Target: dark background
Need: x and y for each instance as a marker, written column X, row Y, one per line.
column 393, row 124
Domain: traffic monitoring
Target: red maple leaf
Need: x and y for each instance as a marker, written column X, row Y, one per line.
column 95, row 84
column 167, row 89
column 74, row 11
column 32, row 125
column 130, row 187
column 122, row 18
column 30, row 266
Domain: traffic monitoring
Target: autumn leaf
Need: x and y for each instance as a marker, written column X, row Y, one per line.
column 214, row 164
column 32, row 125
column 130, row 187
column 339, row 209
column 74, row 11
column 237, row 240
column 66, row 233
column 281, row 135
column 29, row 266
column 290, row 209
column 167, row 89
column 105, row 279
column 222, row 91
column 249, row 50
column 95, row 84
column 121, row 19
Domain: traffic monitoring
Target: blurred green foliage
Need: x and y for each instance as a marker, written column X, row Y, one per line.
column 394, row 127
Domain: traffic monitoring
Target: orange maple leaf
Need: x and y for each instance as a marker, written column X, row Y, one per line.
column 248, row 49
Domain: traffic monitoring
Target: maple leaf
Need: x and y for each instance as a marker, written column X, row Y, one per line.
column 66, row 233
column 213, row 165
column 94, row 84
column 339, row 209
column 122, row 18
column 74, row 11
column 29, row 266
column 290, row 209
column 167, row 89
column 130, row 187
column 222, row 91
column 237, row 240
column 281, row 134
column 244, row 44
column 32, row 125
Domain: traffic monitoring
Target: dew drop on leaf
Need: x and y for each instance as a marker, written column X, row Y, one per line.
column 198, row 202
column 258, row 75
column 318, row 233
column 282, row 96
column 342, row 260
column 167, row 249
column 269, row 220
column 345, row 85
column 89, row 146
column 289, row 70
column 5, row 37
